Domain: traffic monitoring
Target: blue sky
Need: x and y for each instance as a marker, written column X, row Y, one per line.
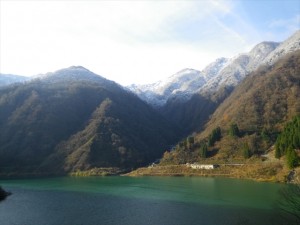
column 136, row 41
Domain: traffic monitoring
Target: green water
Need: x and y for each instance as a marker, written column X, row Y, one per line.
column 144, row 200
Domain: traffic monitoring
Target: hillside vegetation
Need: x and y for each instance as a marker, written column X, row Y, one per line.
column 248, row 123
column 75, row 120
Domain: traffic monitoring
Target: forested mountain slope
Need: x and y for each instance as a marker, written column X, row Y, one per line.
column 249, row 121
column 73, row 119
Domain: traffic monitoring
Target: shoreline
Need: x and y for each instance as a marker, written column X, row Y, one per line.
column 271, row 172
column 257, row 172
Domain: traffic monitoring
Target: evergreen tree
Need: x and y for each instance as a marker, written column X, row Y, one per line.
column 290, row 137
column 214, row 136
column 277, row 151
column 203, row 150
column 291, row 158
column 246, row 151
column 190, row 141
column 234, row 130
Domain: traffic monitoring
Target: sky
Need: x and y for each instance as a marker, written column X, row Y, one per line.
column 136, row 41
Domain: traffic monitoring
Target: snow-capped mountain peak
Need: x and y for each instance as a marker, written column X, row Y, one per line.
column 215, row 67
column 290, row 45
column 221, row 72
column 182, row 85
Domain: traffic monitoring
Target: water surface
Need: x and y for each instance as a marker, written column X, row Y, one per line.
column 140, row 201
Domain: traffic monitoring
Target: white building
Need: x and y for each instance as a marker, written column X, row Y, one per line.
column 201, row 166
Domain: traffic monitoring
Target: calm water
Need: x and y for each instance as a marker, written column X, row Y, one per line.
column 139, row 201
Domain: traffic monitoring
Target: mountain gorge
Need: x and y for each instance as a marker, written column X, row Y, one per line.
column 73, row 119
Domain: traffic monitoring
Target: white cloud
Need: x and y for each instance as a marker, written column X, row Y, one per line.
column 126, row 41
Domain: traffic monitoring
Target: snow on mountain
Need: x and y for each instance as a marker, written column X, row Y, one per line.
column 242, row 65
column 290, row 45
column 222, row 72
column 182, row 85
column 237, row 68
column 8, row 79
column 215, row 67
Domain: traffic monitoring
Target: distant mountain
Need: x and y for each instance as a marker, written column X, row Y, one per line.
column 8, row 79
column 239, row 67
column 260, row 106
column 182, row 84
column 74, row 74
column 218, row 80
column 222, row 72
column 290, row 45
column 73, row 119
column 222, row 76
column 219, row 74
column 266, row 99
column 251, row 118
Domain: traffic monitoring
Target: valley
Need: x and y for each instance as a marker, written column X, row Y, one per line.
column 75, row 122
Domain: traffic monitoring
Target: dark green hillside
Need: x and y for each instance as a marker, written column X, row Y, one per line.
column 74, row 119
column 288, row 141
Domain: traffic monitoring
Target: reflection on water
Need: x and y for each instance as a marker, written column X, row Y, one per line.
column 142, row 201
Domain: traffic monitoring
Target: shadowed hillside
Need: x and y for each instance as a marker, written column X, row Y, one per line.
column 74, row 119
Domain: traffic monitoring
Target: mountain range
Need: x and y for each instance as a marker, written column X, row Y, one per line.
column 75, row 120
column 250, row 118
column 220, row 73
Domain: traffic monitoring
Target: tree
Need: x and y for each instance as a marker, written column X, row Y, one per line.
column 234, row 130
column 191, row 141
column 291, row 158
column 246, row 151
column 277, row 151
column 203, row 150
column 289, row 137
column 214, row 136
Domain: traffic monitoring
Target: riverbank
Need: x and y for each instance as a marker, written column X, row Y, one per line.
column 273, row 172
column 267, row 172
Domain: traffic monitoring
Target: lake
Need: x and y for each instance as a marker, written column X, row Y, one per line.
column 139, row 201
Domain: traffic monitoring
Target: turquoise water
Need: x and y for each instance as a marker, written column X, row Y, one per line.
column 143, row 200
